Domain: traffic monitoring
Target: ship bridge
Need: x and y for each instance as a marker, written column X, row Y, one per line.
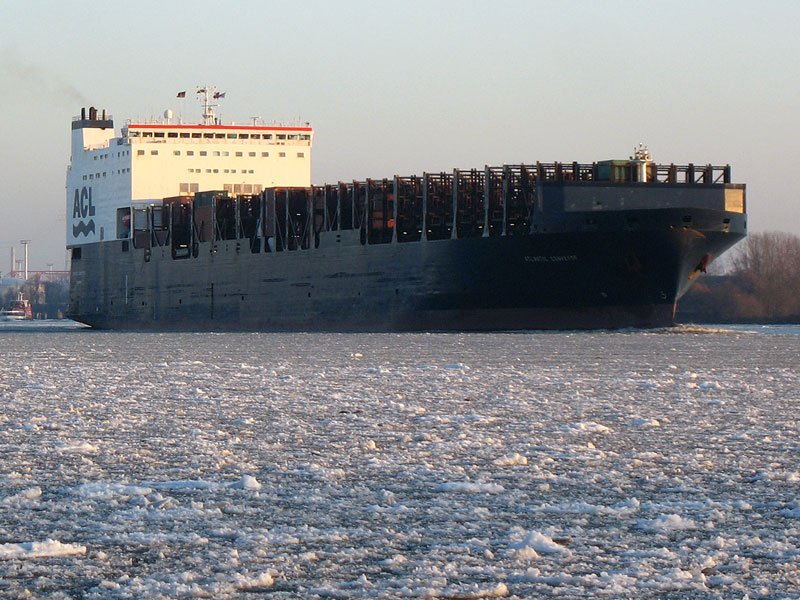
column 153, row 160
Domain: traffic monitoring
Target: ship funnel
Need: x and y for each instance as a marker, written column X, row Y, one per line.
column 83, row 113
column 92, row 113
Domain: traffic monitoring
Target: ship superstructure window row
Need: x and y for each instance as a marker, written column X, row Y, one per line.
column 280, row 138
column 111, row 156
column 94, row 176
column 218, row 154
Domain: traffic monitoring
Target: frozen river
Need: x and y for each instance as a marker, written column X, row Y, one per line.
column 656, row 465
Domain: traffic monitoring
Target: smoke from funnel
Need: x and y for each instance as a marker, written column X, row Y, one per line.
column 37, row 79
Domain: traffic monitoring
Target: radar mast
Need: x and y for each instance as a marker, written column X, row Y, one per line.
column 207, row 94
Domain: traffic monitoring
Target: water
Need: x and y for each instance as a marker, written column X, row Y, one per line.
column 634, row 464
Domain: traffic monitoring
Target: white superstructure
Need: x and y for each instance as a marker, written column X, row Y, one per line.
column 151, row 161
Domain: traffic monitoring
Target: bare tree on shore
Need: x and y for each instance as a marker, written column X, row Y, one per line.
column 761, row 282
column 766, row 268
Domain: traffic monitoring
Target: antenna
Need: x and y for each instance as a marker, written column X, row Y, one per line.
column 642, row 153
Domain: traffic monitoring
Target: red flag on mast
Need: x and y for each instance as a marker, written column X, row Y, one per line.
column 181, row 94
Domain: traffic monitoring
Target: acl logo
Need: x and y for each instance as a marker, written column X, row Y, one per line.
column 82, row 207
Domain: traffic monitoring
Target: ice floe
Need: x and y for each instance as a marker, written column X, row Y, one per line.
column 527, row 465
column 46, row 549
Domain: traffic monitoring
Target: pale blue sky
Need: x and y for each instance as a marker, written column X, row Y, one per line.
column 402, row 87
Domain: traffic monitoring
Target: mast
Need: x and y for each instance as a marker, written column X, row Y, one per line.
column 207, row 94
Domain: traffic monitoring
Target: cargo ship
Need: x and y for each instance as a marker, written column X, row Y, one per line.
column 217, row 227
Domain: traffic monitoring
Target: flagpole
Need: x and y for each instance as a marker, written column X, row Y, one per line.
column 182, row 98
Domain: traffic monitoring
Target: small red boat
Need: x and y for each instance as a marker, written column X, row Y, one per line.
column 20, row 310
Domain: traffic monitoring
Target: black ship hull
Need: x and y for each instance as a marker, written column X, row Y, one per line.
column 582, row 270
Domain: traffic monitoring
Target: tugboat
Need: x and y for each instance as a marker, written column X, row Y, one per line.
column 19, row 310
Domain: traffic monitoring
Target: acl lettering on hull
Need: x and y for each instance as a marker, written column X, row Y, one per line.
column 83, row 226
